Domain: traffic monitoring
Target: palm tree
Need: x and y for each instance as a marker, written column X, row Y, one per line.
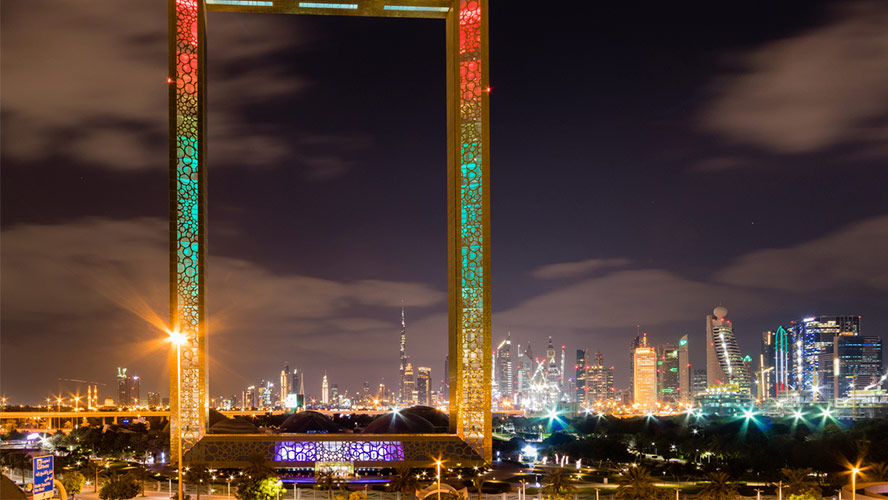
column 637, row 484
column 877, row 472
column 404, row 481
column 798, row 482
column 558, row 483
column 197, row 474
column 140, row 474
column 258, row 467
column 719, row 487
column 325, row 480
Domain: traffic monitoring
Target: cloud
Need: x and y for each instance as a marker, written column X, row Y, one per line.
column 95, row 91
column 98, row 287
column 574, row 269
column 852, row 257
column 802, row 94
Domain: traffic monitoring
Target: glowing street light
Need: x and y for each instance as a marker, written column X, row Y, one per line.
column 178, row 339
column 438, row 466
column 854, row 472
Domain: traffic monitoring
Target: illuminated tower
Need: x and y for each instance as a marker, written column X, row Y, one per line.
column 634, row 344
column 667, row 373
column 403, row 394
column 580, row 369
column 285, row 383
column 562, row 375
column 409, row 385
column 504, row 377
column 812, row 340
column 424, row 386
column 782, row 361
column 645, row 375
column 724, row 365
column 325, row 391
column 685, row 390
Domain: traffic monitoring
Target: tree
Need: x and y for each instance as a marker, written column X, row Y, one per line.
column 877, row 472
column 258, row 468
column 557, row 483
column 404, row 481
column 719, row 487
column 141, row 474
column 198, row 475
column 73, row 482
column 95, row 469
column 357, row 495
column 637, row 484
column 254, row 488
column 17, row 459
column 120, row 487
column 325, row 480
column 799, row 485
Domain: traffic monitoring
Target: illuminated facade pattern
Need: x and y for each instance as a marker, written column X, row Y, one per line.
column 187, row 228
column 339, row 451
column 468, row 199
column 724, row 364
column 469, row 216
column 305, row 450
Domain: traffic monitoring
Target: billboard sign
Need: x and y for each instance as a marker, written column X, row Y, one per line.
column 43, row 477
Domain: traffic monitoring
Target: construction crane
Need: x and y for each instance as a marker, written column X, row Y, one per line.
column 93, row 382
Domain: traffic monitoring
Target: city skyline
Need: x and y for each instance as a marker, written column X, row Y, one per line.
column 317, row 382
column 657, row 201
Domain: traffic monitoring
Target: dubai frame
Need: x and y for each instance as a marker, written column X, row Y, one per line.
column 468, row 205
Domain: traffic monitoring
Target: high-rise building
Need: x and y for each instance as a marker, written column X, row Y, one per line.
column 404, row 395
column 685, row 389
column 503, row 375
column 667, row 373
column 424, row 386
column 380, row 393
column 812, row 361
column 334, row 394
column 153, row 399
column 285, row 384
column 782, row 361
column 409, row 397
column 580, row 369
column 724, row 364
column 562, row 375
column 599, row 379
column 645, row 375
column 633, row 345
column 765, row 377
column 525, row 370
column 857, row 363
column 249, row 398
column 325, row 391
column 699, row 381
column 128, row 388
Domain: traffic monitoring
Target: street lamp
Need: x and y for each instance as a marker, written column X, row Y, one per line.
column 178, row 339
column 438, row 466
column 854, row 472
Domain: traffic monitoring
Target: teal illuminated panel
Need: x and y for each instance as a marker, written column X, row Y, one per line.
column 416, row 8
column 312, row 5
column 248, row 3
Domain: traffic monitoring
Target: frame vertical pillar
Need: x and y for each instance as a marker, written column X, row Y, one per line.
column 468, row 225
column 187, row 54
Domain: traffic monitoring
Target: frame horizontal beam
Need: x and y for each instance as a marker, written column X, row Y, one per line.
column 424, row 9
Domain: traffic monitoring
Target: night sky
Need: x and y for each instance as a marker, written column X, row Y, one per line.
column 647, row 164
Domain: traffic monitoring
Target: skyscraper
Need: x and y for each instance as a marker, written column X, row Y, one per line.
column 812, row 340
column 765, row 377
column 285, row 383
column 580, row 369
column 633, row 345
column 685, row 389
column 782, row 361
column 858, row 363
column 403, row 394
column 423, row 386
column 667, row 373
column 325, row 391
column 724, row 365
column 409, row 394
column 599, row 379
column 645, row 375
column 503, row 365
column 699, row 381
column 128, row 388
column 525, row 370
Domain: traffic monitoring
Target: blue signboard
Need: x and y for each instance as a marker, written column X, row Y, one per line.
column 43, row 477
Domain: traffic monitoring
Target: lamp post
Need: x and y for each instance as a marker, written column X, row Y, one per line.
column 178, row 339
column 438, row 467
column 854, row 472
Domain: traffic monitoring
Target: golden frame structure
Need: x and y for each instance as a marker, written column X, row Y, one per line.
column 468, row 205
